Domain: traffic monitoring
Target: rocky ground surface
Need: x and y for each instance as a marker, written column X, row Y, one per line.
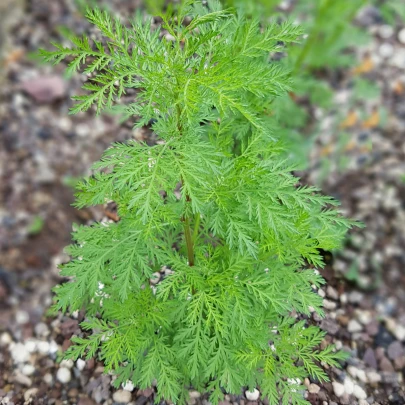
column 43, row 150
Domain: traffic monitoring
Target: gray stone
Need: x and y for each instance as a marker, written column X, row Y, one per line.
column 395, row 350
column 45, row 89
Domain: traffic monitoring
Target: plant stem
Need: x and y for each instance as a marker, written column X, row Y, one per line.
column 186, row 220
column 312, row 36
column 196, row 226
column 189, row 241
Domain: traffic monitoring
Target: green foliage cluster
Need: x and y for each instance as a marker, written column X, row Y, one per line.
column 214, row 202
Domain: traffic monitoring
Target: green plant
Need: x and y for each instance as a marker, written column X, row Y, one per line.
column 238, row 237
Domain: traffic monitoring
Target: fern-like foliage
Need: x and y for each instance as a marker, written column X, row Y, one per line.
column 213, row 201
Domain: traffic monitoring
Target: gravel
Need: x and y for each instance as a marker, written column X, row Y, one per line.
column 252, row 395
column 64, row 375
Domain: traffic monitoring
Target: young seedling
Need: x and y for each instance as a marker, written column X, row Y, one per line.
column 237, row 237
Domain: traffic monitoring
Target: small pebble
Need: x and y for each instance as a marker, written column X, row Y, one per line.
column 343, row 298
column 48, row 379
column 355, row 297
column 67, row 363
column 31, row 345
column 397, row 330
column 28, row 369
column 155, row 278
column 313, row 388
column 30, row 393
column 252, row 395
column 398, row 60
column 122, row 396
column 332, row 293
column 194, row 394
column 19, row 353
column 22, row 379
column 41, row 329
column 338, row 389
column 395, row 350
column 359, row 393
column 361, row 375
column 386, row 31
column 5, row 339
column 386, row 50
column 329, row 305
column 64, row 375
column 348, row 385
column 22, row 317
column 373, row 377
column 43, row 347
column 401, row 36
column 128, row 386
column 80, row 364
column 354, row 326
column 364, row 317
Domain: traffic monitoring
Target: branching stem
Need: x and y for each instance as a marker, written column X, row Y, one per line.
column 189, row 241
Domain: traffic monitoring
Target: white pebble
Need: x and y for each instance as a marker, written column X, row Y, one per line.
column 122, row 397
column 355, row 297
column 22, row 317
column 349, row 386
column 359, row 393
column 361, row 375
column 64, row 375
column 67, row 363
column 396, row 329
column 53, row 347
column 332, row 293
column 398, row 60
column 41, row 329
column 401, row 36
column 5, row 339
column 330, row 305
column 155, row 278
column 386, row 50
column 313, row 388
column 30, row 393
column 80, row 364
column 28, row 369
column 386, row 31
column 31, row 345
column 321, row 293
column 43, row 347
column 364, row 317
column 48, row 379
column 354, row 326
column 19, row 353
column 373, row 377
column 252, row 395
column 194, row 394
column 343, row 298
column 338, row 389
column 128, row 386
column 22, row 379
